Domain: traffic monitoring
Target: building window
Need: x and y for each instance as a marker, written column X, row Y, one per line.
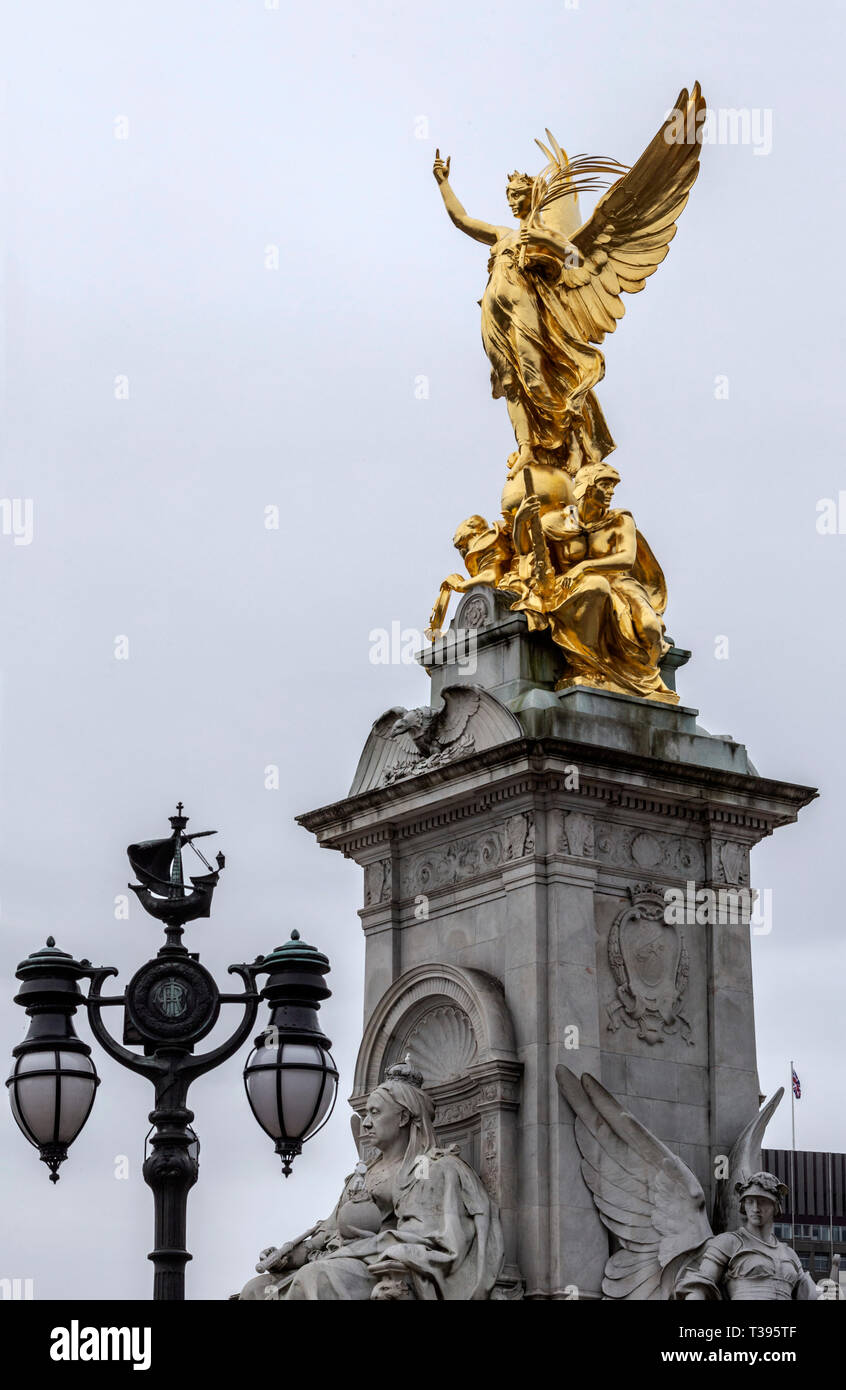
column 821, row 1263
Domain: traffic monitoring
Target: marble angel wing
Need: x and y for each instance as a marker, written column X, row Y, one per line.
column 744, row 1160
column 629, row 231
column 646, row 1196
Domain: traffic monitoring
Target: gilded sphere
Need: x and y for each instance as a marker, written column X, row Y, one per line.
column 553, row 486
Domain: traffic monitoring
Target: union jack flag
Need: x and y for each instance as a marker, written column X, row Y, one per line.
column 797, row 1087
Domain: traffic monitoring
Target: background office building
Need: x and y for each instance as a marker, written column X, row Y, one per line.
column 815, row 1216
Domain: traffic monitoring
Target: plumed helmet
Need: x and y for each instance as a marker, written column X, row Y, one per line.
column 763, row 1185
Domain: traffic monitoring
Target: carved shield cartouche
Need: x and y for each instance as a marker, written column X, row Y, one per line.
column 650, row 965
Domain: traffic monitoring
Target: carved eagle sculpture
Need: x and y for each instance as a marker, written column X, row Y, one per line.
column 648, row 1199
column 405, row 743
column 436, row 730
column 436, row 735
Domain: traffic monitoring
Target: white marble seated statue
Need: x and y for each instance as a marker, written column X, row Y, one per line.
column 414, row 1222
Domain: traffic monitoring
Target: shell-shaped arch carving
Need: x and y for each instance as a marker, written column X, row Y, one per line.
column 448, row 1018
column 441, row 1043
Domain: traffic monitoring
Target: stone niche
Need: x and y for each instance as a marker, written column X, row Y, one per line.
column 517, row 844
column 454, row 1025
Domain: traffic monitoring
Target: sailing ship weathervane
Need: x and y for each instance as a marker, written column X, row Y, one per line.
column 162, row 890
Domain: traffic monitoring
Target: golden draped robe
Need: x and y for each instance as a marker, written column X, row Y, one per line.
column 534, row 356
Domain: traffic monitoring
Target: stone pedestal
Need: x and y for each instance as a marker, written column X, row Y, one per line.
column 516, row 877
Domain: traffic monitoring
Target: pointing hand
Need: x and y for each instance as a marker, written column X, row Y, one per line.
column 441, row 167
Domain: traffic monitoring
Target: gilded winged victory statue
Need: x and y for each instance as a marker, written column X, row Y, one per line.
column 555, row 286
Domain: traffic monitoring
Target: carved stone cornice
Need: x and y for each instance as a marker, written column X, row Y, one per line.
column 538, row 770
column 492, row 1085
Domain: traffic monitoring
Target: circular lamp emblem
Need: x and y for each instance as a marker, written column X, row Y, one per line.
column 171, row 996
column 174, row 1001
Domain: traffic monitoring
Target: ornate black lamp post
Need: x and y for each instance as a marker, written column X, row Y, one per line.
column 170, row 1005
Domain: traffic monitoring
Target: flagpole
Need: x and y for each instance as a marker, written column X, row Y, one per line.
column 792, row 1160
column 831, row 1214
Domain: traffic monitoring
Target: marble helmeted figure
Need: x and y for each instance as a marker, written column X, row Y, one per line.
column 413, row 1222
column 654, row 1207
column 750, row 1263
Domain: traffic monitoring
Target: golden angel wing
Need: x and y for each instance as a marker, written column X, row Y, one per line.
column 629, row 232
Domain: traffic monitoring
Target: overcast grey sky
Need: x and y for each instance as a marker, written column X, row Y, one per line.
column 144, row 257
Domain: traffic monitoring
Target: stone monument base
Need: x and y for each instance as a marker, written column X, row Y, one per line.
column 520, row 846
